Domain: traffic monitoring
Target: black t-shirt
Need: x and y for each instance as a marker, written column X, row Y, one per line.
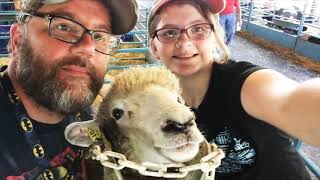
column 254, row 150
column 17, row 159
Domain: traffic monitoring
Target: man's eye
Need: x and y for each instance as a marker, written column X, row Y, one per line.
column 98, row 37
column 63, row 27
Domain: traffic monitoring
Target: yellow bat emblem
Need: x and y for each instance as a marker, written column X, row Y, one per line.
column 48, row 175
column 69, row 177
column 38, row 151
column 26, row 124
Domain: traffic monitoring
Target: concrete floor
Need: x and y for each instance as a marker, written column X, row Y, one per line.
column 243, row 50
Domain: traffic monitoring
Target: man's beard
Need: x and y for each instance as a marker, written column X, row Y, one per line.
column 67, row 96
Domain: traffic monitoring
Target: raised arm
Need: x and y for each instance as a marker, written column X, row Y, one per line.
column 284, row 103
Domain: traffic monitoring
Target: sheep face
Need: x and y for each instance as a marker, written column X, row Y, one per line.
column 160, row 127
column 143, row 117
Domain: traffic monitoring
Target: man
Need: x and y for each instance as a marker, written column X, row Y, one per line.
column 60, row 50
column 229, row 18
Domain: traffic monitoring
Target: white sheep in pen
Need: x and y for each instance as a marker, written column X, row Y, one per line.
column 143, row 117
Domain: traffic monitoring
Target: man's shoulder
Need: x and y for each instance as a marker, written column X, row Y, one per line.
column 5, row 110
column 2, row 69
column 2, row 95
column 1, row 89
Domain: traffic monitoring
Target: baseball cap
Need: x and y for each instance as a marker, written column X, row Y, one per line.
column 216, row 6
column 123, row 12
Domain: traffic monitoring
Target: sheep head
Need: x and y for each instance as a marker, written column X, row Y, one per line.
column 144, row 117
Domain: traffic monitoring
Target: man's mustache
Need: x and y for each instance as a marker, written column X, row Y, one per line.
column 77, row 61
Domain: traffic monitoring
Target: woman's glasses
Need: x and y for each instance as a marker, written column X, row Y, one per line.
column 195, row 32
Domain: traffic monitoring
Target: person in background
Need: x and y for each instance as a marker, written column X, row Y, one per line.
column 230, row 18
column 16, row 4
column 248, row 111
column 59, row 55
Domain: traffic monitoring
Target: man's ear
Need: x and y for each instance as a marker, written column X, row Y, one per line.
column 153, row 49
column 83, row 133
column 15, row 36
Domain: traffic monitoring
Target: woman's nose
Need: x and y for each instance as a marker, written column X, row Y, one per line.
column 183, row 41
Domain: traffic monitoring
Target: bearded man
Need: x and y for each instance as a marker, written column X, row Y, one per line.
column 59, row 54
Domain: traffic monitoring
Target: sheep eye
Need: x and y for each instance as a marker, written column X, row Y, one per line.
column 117, row 113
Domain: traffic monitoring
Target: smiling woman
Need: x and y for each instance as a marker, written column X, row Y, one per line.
column 231, row 99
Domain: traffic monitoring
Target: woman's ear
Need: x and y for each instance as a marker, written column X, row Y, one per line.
column 15, row 36
column 153, row 49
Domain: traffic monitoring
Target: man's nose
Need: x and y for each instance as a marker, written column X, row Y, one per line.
column 85, row 45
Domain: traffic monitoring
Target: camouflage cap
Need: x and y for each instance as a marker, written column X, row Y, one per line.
column 123, row 12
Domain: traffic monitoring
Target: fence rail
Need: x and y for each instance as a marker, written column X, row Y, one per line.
column 297, row 30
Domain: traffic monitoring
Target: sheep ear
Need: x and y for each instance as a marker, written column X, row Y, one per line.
column 83, row 133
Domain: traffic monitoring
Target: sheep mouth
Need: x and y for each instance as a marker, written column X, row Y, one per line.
column 182, row 147
column 186, row 146
column 182, row 153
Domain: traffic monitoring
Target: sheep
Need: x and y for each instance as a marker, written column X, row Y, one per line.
column 143, row 117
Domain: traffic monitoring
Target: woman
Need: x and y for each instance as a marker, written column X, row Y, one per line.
column 241, row 107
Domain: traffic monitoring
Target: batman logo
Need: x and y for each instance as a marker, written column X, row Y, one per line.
column 26, row 124
column 48, row 175
column 13, row 97
column 38, row 151
column 69, row 177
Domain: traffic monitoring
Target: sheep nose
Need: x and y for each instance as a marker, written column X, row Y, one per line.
column 173, row 126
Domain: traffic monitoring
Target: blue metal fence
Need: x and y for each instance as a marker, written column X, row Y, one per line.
column 297, row 33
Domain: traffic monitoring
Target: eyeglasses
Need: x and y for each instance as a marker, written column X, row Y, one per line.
column 70, row 31
column 195, row 32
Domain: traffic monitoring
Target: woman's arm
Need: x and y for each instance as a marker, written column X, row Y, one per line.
column 295, row 108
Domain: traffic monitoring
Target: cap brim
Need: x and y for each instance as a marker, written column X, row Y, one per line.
column 123, row 13
column 215, row 5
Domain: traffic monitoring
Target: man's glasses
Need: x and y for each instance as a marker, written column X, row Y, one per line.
column 195, row 32
column 70, row 31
